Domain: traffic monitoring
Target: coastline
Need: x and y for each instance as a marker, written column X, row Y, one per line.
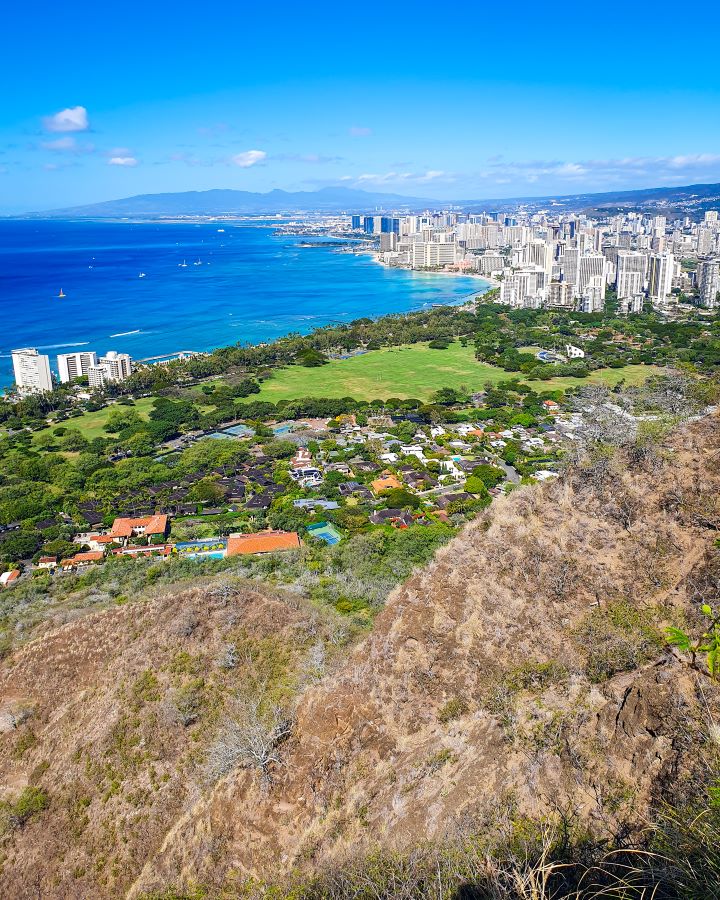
column 252, row 288
column 491, row 282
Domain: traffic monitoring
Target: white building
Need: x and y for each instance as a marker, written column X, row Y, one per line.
column 560, row 295
column 574, row 352
column 708, row 279
column 75, row 365
column 111, row 367
column 427, row 254
column 32, row 371
column 591, row 267
column 630, row 278
column 660, row 276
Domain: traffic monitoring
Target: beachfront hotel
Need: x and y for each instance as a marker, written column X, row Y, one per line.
column 32, row 371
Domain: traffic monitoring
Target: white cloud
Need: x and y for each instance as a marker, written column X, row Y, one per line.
column 390, row 177
column 71, row 119
column 248, row 158
column 359, row 131
column 127, row 161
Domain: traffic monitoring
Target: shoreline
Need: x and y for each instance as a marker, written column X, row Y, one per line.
column 491, row 282
column 408, row 300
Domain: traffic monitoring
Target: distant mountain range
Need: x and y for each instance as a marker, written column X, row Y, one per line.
column 691, row 200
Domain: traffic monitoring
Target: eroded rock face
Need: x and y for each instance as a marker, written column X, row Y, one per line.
column 518, row 669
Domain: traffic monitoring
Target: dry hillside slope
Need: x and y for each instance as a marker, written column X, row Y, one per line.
column 522, row 673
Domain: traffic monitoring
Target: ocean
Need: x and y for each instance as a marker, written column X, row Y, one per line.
column 250, row 285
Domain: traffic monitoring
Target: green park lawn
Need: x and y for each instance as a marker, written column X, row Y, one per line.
column 413, row 371
column 90, row 424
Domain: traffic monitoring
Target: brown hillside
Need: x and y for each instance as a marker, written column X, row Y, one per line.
column 522, row 670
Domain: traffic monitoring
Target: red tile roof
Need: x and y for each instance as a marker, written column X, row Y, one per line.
column 152, row 524
column 265, row 542
column 89, row 556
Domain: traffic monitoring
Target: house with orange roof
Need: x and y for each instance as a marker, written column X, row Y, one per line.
column 164, row 550
column 148, row 526
column 101, row 541
column 82, row 560
column 263, row 542
column 47, row 562
column 386, row 482
column 8, row 578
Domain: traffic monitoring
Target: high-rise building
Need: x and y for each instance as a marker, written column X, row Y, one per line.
column 660, row 276
column 356, row 223
column 75, row 365
column 708, row 280
column 630, row 277
column 591, row 268
column 560, row 295
column 111, row 367
column 32, row 371
column 389, row 224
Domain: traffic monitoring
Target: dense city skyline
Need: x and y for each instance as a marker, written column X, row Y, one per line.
column 147, row 101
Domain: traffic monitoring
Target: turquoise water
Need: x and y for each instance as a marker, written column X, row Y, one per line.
column 250, row 286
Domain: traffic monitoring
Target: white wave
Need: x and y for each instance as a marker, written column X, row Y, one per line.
column 58, row 346
column 125, row 333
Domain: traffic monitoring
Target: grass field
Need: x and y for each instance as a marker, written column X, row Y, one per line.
column 91, row 423
column 413, row 371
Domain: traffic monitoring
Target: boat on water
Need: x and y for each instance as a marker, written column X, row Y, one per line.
column 197, row 262
column 61, row 294
column 141, row 275
column 182, row 265
column 221, row 231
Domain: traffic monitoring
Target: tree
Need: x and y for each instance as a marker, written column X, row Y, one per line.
column 121, row 418
column 475, row 485
column 399, row 498
column 250, row 737
column 491, row 476
column 20, row 545
column 311, row 359
column 207, row 490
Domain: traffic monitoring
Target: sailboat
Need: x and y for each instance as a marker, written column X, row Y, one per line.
column 197, row 262
column 61, row 295
column 183, row 265
column 141, row 275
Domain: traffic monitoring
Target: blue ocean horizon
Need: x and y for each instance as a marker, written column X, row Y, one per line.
column 249, row 285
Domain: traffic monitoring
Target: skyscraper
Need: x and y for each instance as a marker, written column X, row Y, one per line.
column 75, row 365
column 708, row 279
column 32, row 371
column 111, row 367
column 660, row 275
column 630, row 273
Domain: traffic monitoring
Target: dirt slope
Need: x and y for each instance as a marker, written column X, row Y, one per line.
column 521, row 673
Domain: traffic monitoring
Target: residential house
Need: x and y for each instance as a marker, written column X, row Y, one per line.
column 398, row 518
column 446, row 499
column 264, row 542
column 146, row 526
column 386, row 482
column 82, row 560
column 47, row 562
column 9, row 578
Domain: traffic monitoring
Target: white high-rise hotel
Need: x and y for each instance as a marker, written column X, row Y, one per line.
column 630, row 278
column 75, row 365
column 32, row 371
column 111, row 367
column 660, row 276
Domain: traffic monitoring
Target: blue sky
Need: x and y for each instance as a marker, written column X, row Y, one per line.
column 101, row 101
